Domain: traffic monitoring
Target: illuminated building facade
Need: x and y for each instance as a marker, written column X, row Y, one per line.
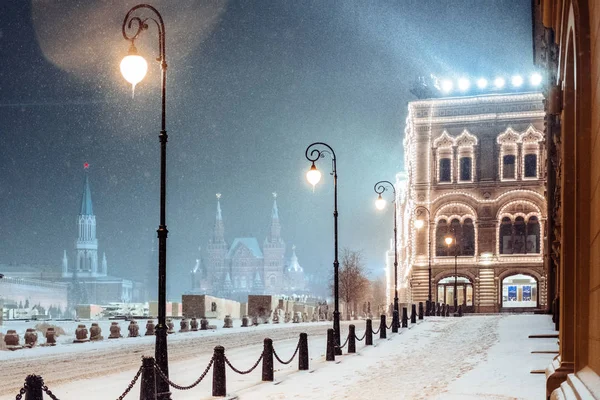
column 475, row 170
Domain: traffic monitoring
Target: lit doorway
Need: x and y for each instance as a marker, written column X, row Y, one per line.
column 464, row 290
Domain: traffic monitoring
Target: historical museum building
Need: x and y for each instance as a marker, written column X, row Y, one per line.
column 565, row 45
column 244, row 267
column 475, row 168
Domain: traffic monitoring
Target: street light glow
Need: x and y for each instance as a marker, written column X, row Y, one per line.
column 419, row 223
column 482, row 83
column 535, row 79
column 380, row 202
column 134, row 68
column 499, row 82
column 517, row 80
column 448, row 240
column 464, row 84
column 313, row 175
column 447, row 85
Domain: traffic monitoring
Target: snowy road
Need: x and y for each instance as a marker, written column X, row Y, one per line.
column 475, row 357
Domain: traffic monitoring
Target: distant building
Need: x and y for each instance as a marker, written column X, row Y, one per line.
column 89, row 281
column 244, row 267
column 476, row 163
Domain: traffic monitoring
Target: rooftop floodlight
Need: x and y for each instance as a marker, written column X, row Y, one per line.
column 464, row 84
column 499, row 83
column 517, row 80
column 535, row 79
column 446, row 85
column 482, row 83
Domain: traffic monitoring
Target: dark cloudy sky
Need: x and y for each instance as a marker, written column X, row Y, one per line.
column 250, row 85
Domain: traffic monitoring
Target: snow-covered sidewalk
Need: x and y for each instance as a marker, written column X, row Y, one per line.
column 476, row 357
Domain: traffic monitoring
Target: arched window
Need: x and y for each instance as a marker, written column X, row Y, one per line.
column 506, row 236
column 440, row 233
column 468, row 238
column 456, row 233
column 445, row 170
column 533, row 235
column 520, row 236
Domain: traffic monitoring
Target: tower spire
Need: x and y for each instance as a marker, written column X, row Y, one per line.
column 275, row 232
column 86, row 246
column 219, row 228
column 86, row 198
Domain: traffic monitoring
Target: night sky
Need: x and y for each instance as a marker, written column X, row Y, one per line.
column 250, row 85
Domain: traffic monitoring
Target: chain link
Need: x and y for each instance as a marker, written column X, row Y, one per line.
column 21, row 392
column 389, row 327
column 49, row 393
column 342, row 346
column 361, row 337
column 290, row 360
column 247, row 371
column 377, row 331
column 179, row 387
column 133, row 381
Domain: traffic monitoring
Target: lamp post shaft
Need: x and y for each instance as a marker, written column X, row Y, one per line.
column 379, row 189
column 455, row 275
column 160, row 349
column 429, row 293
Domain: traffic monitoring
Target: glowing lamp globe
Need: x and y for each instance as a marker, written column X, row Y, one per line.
column 517, row 80
column 134, row 68
column 536, row 79
column 419, row 223
column 499, row 83
column 380, row 203
column 464, row 84
column 313, row 176
column 448, row 241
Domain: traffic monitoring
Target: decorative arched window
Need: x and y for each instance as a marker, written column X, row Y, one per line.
column 520, row 236
column 531, row 141
column 465, row 144
column 509, row 150
column 444, row 154
column 441, row 231
column 468, row 239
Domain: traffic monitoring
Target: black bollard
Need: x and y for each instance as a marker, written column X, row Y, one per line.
column 303, row 352
column 413, row 314
column 420, row 310
column 352, row 339
column 34, row 387
column 404, row 317
column 460, row 311
column 395, row 322
column 447, row 310
column 219, row 388
column 267, row 361
column 382, row 328
column 427, row 308
column 330, row 355
column 148, row 383
column 369, row 333
column 443, row 311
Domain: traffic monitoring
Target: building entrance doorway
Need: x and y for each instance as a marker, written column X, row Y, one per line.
column 464, row 291
column 519, row 291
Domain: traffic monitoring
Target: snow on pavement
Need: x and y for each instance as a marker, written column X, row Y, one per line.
column 483, row 357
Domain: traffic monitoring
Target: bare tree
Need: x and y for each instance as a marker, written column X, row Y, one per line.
column 378, row 295
column 353, row 282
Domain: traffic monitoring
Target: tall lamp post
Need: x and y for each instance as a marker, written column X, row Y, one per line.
column 379, row 188
column 314, row 152
column 449, row 240
column 419, row 223
column 134, row 68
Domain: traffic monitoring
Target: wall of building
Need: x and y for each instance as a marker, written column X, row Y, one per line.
column 46, row 294
column 566, row 45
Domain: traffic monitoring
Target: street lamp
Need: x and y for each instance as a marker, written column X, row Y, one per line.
column 133, row 68
column 419, row 223
column 313, row 153
column 449, row 241
column 379, row 188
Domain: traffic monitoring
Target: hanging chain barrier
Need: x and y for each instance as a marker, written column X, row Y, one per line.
column 131, row 384
column 49, row 392
column 377, row 331
column 342, row 346
column 247, row 371
column 390, row 327
column 360, row 339
column 290, row 360
column 180, row 387
column 21, row 392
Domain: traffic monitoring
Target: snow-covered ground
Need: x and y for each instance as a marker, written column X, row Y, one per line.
column 474, row 357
